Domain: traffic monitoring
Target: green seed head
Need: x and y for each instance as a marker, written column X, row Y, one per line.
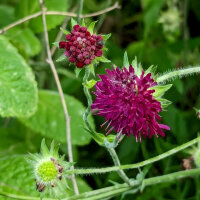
column 47, row 171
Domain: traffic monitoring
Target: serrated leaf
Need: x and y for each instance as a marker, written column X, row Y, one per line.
column 91, row 27
column 56, row 44
column 18, row 89
column 160, row 90
column 106, row 37
column 64, row 31
column 49, row 119
column 125, row 61
column 103, row 59
column 26, row 39
column 73, row 22
column 77, row 71
column 61, row 58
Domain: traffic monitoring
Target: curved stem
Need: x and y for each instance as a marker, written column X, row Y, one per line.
column 178, row 73
column 117, row 163
column 119, row 188
column 136, row 165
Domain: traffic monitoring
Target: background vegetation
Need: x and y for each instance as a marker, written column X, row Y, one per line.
column 158, row 32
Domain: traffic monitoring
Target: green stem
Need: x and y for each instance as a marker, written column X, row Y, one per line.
column 136, row 165
column 178, row 73
column 87, row 112
column 80, row 9
column 119, row 188
column 116, row 161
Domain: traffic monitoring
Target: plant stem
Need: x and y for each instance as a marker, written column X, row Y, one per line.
column 116, row 161
column 80, row 9
column 115, row 6
column 178, row 73
column 89, row 101
column 136, row 165
column 119, row 188
column 67, row 118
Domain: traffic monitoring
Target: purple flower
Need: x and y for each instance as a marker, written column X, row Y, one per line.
column 127, row 103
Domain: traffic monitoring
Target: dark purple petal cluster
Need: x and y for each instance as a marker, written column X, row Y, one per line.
column 81, row 47
column 127, row 103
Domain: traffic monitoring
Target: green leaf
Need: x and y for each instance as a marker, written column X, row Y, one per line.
column 73, row 22
column 160, row 90
column 103, row 59
column 164, row 102
column 83, row 22
column 44, row 148
column 18, row 139
column 49, row 119
column 18, row 89
column 90, row 84
column 106, row 37
column 64, row 31
column 77, row 71
column 52, row 20
column 91, row 67
column 56, row 44
column 61, row 58
column 6, row 15
column 91, row 27
column 152, row 69
column 125, row 61
column 25, row 38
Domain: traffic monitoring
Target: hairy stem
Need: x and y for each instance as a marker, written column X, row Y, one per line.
column 119, row 188
column 116, row 161
column 136, row 165
column 67, row 117
column 178, row 74
column 89, row 101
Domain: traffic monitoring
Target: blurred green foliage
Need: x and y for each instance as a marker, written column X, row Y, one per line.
column 158, row 32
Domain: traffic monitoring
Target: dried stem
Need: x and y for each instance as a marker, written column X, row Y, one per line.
column 60, row 34
column 67, row 118
column 70, row 14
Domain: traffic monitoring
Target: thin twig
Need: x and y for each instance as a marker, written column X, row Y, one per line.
column 60, row 34
column 70, row 14
column 67, row 118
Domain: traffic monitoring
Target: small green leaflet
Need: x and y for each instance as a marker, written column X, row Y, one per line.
column 106, row 37
column 125, row 61
column 66, row 32
column 103, row 59
column 160, row 90
column 91, row 27
column 83, row 22
column 77, row 71
column 61, row 58
column 73, row 22
column 91, row 67
column 56, row 44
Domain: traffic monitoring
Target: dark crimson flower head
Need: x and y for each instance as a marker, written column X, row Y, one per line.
column 127, row 103
column 81, row 47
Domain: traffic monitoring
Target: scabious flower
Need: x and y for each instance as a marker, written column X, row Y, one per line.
column 82, row 47
column 126, row 101
column 49, row 171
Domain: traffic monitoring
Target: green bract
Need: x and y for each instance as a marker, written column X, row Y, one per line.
column 49, row 170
